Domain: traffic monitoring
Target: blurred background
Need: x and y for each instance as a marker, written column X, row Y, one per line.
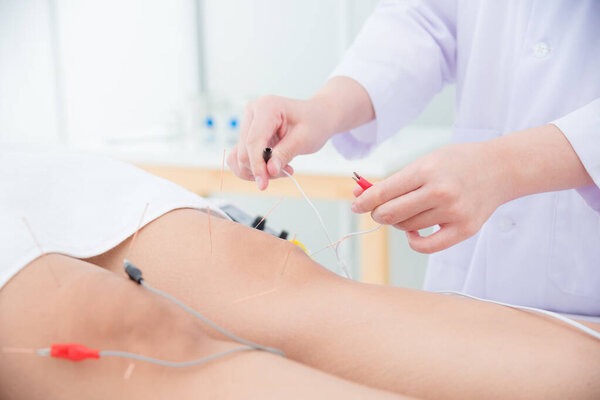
column 147, row 80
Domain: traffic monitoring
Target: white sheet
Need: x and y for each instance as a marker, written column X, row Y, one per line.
column 76, row 204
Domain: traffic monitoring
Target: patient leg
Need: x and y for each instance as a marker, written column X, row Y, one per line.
column 412, row 342
column 60, row 299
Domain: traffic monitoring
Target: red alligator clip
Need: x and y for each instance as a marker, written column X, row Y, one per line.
column 73, row 352
column 362, row 182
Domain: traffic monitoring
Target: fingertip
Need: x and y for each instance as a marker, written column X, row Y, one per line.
column 359, row 206
column 412, row 235
column 261, row 182
column 437, row 241
column 357, row 191
column 417, row 242
column 414, row 240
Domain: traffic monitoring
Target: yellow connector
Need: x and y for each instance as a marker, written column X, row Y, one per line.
column 300, row 244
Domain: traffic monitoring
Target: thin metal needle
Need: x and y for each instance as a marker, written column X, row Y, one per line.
column 137, row 230
column 269, row 212
column 39, row 246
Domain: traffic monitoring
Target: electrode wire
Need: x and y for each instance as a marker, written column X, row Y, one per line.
column 310, row 203
column 171, row 364
column 347, row 236
column 210, row 323
column 47, row 352
column 551, row 314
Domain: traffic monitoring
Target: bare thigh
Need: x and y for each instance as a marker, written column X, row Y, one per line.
column 411, row 342
column 57, row 299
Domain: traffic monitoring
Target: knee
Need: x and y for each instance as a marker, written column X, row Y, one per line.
column 276, row 262
column 101, row 309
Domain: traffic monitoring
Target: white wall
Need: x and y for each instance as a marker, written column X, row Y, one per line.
column 27, row 91
column 128, row 65
column 116, row 68
column 88, row 70
column 286, row 47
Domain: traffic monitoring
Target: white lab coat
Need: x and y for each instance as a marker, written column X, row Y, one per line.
column 516, row 64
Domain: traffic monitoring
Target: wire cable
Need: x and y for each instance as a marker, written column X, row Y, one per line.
column 336, row 245
column 210, row 323
column 347, row 236
column 310, row 203
column 172, row 364
column 557, row 316
column 77, row 352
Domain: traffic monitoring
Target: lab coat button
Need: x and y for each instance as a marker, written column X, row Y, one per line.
column 541, row 50
column 505, row 224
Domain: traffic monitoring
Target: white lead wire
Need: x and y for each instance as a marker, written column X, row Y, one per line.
column 210, row 323
column 172, row 364
column 347, row 236
column 560, row 317
column 310, row 203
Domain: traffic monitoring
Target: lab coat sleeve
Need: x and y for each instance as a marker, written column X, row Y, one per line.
column 582, row 129
column 403, row 56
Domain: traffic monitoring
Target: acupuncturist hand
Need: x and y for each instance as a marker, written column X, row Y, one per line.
column 459, row 186
column 292, row 127
column 456, row 187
